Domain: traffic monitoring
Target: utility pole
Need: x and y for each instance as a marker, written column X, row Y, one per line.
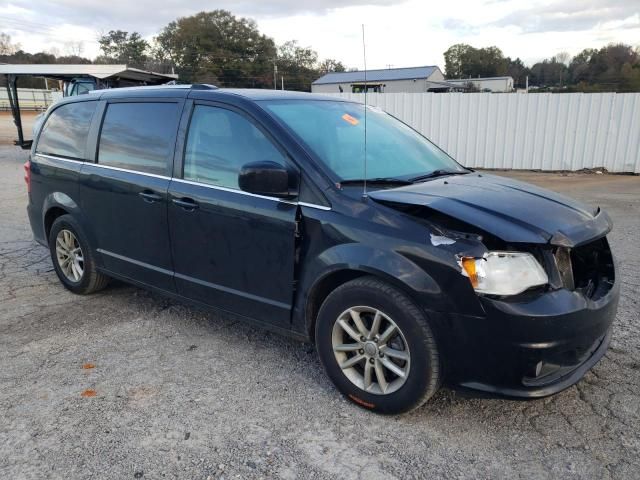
column 282, row 81
column 526, row 87
column 275, row 75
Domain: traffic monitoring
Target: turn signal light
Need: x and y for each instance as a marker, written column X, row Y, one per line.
column 469, row 265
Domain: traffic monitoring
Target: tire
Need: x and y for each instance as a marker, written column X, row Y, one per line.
column 414, row 347
column 82, row 278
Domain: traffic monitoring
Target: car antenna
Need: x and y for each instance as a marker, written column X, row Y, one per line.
column 364, row 55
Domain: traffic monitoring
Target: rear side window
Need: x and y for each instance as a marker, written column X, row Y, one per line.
column 65, row 132
column 139, row 136
column 220, row 142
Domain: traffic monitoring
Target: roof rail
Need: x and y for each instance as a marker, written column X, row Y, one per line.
column 195, row 86
column 203, row 86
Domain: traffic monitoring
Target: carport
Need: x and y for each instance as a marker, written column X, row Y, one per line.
column 103, row 76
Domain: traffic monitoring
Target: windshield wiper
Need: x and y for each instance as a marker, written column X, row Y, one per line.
column 436, row 173
column 377, row 181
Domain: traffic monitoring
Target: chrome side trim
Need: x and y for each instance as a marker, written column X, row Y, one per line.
column 189, row 182
column 119, row 169
column 231, row 190
column 241, row 192
column 313, row 205
column 53, row 157
column 99, row 165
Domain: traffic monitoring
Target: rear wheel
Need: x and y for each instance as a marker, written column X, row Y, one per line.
column 377, row 346
column 72, row 257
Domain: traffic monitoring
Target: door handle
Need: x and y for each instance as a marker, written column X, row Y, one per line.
column 149, row 196
column 188, row 204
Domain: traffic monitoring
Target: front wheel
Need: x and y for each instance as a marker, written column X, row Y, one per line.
column 377, row 346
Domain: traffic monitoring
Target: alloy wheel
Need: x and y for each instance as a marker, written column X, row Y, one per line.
column 69, row 255
column 371, row 350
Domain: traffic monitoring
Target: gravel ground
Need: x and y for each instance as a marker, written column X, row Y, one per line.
column 8, row 132
column 126, row 384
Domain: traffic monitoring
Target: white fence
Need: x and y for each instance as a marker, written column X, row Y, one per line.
column 29, row 99
column 541, row 131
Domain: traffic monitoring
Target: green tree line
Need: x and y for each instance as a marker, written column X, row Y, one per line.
column 615, row 67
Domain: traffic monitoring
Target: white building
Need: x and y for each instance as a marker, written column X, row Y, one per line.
column 390, row 80
column 486, row 84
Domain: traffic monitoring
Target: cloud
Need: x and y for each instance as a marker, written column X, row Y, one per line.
column 149, row 16
column 569, row 15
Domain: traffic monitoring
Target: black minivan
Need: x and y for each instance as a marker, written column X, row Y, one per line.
column 255, row 202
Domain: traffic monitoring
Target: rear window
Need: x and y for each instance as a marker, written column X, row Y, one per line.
column 65, row 132
column 139, row 136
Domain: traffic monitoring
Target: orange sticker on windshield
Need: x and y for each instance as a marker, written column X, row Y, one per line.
column 348, row 118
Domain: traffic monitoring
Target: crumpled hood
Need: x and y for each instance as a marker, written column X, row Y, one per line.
column 511, row 210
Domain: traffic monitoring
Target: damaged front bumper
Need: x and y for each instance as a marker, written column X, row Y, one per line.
column 530, row 348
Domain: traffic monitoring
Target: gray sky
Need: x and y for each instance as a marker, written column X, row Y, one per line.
column 399, row 33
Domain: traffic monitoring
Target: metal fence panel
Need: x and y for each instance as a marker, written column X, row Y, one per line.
column 541, row 131
column 29, row 98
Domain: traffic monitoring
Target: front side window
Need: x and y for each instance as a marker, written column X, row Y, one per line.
column 139, row 136
column 220, row 142
column 334, row 131
column 65, row 132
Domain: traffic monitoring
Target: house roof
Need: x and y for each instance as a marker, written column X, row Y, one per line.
column 377, row 75
column 64, row 72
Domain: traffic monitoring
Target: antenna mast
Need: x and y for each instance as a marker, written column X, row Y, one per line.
column 364, row 54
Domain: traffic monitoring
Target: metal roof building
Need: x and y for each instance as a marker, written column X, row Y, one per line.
column 389, row 80
column 101, row 72
column 486, row 84
column 88, row 77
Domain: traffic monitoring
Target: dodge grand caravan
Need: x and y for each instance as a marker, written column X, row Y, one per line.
column 254, row 202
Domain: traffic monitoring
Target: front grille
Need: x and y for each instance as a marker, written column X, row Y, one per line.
column 592, row 268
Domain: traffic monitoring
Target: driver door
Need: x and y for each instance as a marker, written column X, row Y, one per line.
column 231, row 249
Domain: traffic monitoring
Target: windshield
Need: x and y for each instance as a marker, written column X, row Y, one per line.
column 334, row 131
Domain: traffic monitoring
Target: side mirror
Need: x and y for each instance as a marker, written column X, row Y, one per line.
column 268, row 178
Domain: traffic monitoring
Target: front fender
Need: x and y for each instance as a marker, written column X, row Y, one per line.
column 387, row 265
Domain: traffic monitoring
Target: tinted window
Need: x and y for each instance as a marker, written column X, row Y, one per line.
column 138, row 136
column 66, row 130
column 220, row 142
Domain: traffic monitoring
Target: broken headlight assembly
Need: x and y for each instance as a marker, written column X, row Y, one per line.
column 503, row 273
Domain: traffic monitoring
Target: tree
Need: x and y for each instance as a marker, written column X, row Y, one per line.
column 611, row 68
column 122, row 47
column 455, row 59
column 563, row 57
column 6, row 47
column 330, row 65
column 298, row 65
column 518, row 71
column 464, row 61
column 579, row 65
column 549, row 73
column 217, row 47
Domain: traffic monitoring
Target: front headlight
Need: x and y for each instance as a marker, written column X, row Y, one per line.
column 503, row 273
